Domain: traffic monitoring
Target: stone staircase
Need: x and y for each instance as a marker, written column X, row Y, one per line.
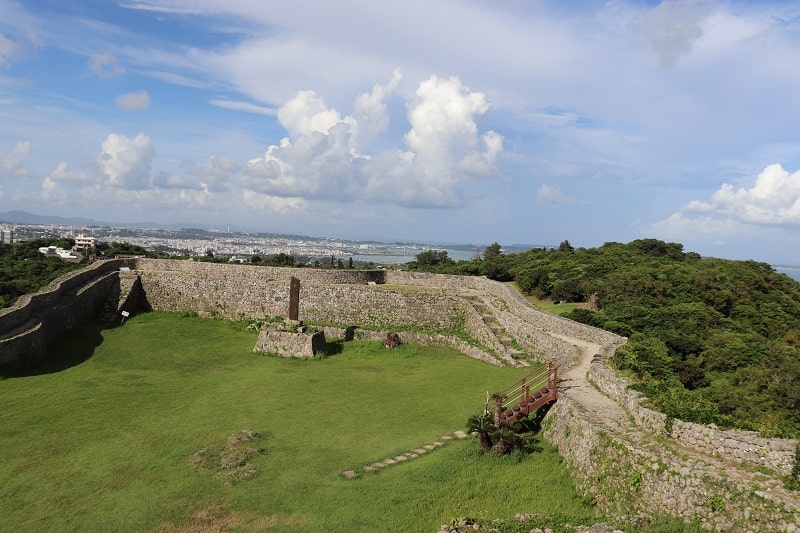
column 510, row 349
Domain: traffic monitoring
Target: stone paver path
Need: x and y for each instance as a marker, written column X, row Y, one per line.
column 403, row 457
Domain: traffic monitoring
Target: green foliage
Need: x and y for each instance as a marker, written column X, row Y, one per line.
column 793, row 481
column 119, row 248
column 708, row 332
column 431, row 261
column 23, row 270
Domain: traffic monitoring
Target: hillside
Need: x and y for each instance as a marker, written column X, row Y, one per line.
column 23, row 270
column 711, row 340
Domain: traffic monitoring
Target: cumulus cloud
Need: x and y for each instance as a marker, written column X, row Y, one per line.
column 62, row 173
column 105, row 65
column 326, row 156
column 369, row 109
column 135, row 101
column 549, row 195
column 689, row 229
column 126, row 162
column 774, row 199
column 672, row 27
column 13, row 162
column 52, row 192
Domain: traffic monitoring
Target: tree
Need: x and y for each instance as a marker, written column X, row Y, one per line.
column 492, row 251
column 565, row 246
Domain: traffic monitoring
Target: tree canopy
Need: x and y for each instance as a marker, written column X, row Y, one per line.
column 710, row 340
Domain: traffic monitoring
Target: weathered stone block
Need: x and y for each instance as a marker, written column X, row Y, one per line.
column 290, row 344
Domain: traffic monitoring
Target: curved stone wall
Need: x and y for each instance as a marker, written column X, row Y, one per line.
column 36, row 320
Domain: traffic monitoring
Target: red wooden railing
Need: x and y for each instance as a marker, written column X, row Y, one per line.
column 525, row 396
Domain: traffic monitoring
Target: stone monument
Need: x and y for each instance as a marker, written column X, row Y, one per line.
column 290, row 339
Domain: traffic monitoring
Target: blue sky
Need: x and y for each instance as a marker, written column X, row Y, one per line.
column 455, row 121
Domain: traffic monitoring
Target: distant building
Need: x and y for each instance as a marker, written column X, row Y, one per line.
column 81, row 241
column 6, row 235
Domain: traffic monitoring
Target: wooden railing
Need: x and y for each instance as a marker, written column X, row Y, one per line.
column 523, row 397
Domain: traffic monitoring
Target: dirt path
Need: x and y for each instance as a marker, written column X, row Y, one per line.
column 574, row 383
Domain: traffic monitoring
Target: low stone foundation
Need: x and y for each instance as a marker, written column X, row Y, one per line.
column 289, row 344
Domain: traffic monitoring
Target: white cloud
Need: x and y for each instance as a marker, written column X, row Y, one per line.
column 126, row 162
column 370, row 112
column 135, row 101
column 62, row 173
column 549, row 195
column 13, row 163
column 105, row 65
column 774, row 199
column 278, row 204
column 52, row 192
column 244, row 106
column 306, row 114
column 322, row 158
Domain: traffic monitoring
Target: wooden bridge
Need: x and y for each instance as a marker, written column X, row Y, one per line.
column 525, row 396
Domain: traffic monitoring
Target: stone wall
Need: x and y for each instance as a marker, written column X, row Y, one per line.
column 648, row 477
column 243, row 291
column 744, row 446
column 36, row 320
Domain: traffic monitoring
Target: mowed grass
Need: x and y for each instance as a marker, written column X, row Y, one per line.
column 103, row 439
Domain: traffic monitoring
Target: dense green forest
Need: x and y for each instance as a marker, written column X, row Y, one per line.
column 710, row 340
column 24, row 270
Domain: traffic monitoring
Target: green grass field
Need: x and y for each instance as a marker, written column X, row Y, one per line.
column 104, row 438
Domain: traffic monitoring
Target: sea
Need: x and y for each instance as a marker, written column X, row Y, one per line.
column 791, row 271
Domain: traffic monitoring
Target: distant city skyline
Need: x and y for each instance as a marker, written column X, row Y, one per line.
column 452, row 121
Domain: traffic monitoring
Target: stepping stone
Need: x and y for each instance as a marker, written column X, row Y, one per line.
column 429, row 447
column 401, row 458
column 445, row 437
column 420, row 451
column 349, row 474
column 438, row 443
column 460, row 434
column 377, row 465
column 412, row 455
column 370, row 468
column 388, row 461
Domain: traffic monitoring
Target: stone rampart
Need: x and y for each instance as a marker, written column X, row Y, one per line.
column 619, row 476
column 744, row 446
column 242, row 291
column 36, row 320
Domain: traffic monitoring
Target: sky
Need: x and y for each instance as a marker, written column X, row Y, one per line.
column 447, row 121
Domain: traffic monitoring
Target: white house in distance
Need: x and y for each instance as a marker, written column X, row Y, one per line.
column 82, row 241
column 64, row 255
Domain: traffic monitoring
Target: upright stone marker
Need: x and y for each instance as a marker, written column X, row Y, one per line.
column 294, row 299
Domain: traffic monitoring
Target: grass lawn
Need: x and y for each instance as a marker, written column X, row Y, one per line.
column 104, row 439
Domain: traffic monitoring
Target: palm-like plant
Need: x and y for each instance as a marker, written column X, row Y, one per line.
column 506, row 440
column 483, row 426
